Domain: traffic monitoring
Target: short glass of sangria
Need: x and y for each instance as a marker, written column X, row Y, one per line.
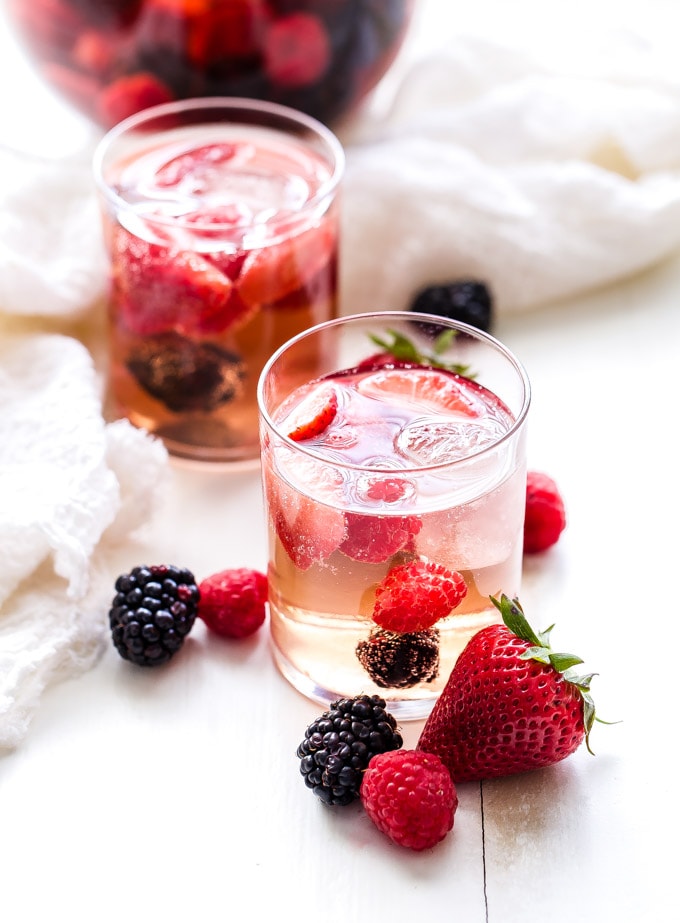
column 394, row 475
column 220, row 218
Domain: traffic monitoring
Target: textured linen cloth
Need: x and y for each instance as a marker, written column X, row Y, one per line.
column 545, row 173
column 71, row 487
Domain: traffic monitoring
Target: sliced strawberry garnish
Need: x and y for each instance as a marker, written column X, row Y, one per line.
column 161, row 289
column 374, row 539
column 194, row 161
column 313, row 414
column 424, row 387
column 310, row 528
column 270, row 274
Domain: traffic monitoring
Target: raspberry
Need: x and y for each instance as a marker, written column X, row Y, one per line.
column 413, row 596
column 467, row 301
column 545, row 518
column 233, row 601
column 399, row 661
column 375, row 539
column 410, row 797
column 154, row 609
column 340, row 744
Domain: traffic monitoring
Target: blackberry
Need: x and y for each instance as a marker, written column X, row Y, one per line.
column 152, row 612
column 399, row 661
column 187, row 376
column 467, row 301
column 339, row 745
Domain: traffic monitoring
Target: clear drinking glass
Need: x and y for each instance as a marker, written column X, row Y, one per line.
column 221, row 220
column 384, row 477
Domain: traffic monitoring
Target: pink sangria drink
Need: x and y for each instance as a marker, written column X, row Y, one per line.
column 394, row 486
column 220, row 219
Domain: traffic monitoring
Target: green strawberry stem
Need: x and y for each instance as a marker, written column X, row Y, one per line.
column 540, row 650
column 406, row 351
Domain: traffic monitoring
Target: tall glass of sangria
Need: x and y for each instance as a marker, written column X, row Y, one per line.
column 394, row 474
column 220, row 216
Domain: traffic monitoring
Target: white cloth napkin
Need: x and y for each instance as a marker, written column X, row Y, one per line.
column 544, row 171
column 544, row 174
column 71, row 487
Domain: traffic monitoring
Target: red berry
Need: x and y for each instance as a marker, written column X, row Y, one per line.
column 545, row 518
column 374, row 539
column 511, row 703
column 194, row 162
column 232, row 602
column 414, row 596
column 297, row 50
column 410, row 797
column 128, row 95
column 313, row 414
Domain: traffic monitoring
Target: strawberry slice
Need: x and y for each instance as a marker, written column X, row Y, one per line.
column 424, row 387
column 310, row 528
column 194, row 161
column 160, row 289
column 314, row 414
column 268, row 275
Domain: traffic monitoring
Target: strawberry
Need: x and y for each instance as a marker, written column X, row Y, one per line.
column 511, row 703
column 415, row 595
column 270, row 274
column 309, row 530
column 129, row 94
column 161, row 289
column 545, row 518
column 297, row 50
column 313, row 414
column 426, row 387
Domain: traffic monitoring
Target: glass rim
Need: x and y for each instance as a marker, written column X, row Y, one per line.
column 368, row 317
column 237, row 104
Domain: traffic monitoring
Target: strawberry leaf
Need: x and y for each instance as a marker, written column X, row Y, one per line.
column 405, row 350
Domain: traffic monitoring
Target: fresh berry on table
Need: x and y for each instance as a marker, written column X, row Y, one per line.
column 409, row 796
column 511, row 703
column 339, row 745
column 545, row 518
column 468, row 301
column 232, row 602
column 152, row 613
column 396, row 660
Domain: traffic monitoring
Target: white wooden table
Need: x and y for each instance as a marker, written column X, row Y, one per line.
column 139, row 796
